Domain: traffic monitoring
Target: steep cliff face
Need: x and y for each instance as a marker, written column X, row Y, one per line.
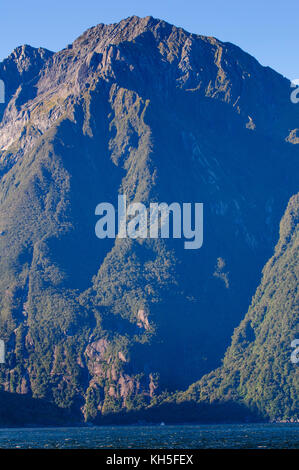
column 257, row 369
column 145, row 109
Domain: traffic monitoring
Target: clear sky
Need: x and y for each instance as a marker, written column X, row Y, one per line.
column 267, row 29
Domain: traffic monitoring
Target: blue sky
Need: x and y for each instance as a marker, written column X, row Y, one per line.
column 267, row 29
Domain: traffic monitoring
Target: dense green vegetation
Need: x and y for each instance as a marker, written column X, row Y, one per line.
column 257, row 370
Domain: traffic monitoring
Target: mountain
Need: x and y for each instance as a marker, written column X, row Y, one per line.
column 145, row 109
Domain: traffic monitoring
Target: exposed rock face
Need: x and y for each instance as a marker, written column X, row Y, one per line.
column 97, row 349
column 143, row 320
column 149, row 110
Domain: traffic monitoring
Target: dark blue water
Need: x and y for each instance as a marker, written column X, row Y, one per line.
column 244, row 436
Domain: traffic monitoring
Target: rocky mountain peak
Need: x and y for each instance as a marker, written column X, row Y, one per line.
column 21, row 66
column 26, row 59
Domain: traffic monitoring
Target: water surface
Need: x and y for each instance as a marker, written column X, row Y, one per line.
column 244, row 436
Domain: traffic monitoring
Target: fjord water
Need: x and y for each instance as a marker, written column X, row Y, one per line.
column 227, row 436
